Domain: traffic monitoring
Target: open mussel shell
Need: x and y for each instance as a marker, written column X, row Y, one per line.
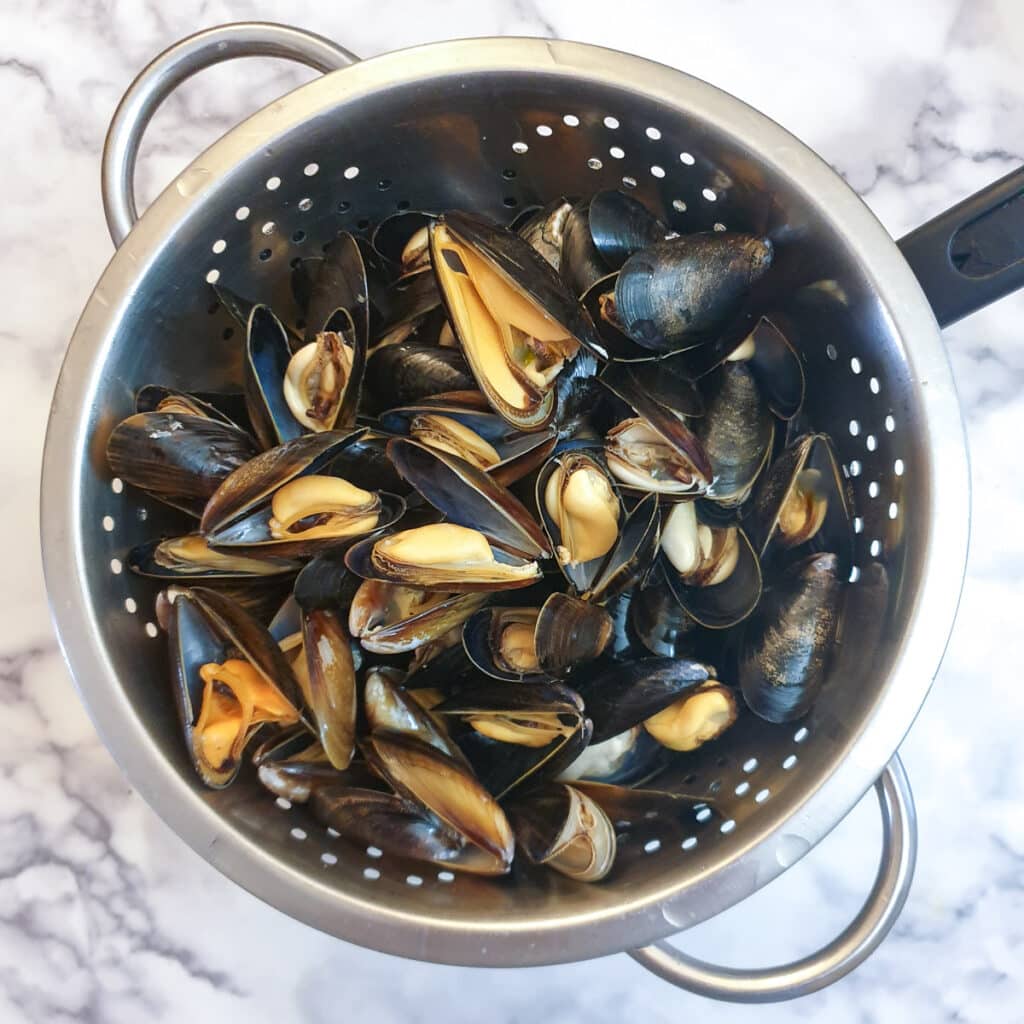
column 630, row 807
column 621, row 225
column 788, row 644
column 341, row 283
column 437, row 782
column 636, row 459
column 180, row 459
column 240, row 309
column 631, row 557
column 631, row 758
column 388, row 618
column 562, row 828
column 501, row 642
column 508, row 454
column 254, row 482
column 156, row 398
column 441, row 556
column 569, row 633
column 717, row 588
column 267, row 356
column 403, row 240
column 776, row 367
column 660, row 622
column 411, row 371
column 366, row 461
column 581, row 512
column 544, row 229
column 801, row 505
column 698, row 717
column 389, row 708
column 675, row 292
column 467, row 496
column 514, row 319
column 327, row 677
column 191, row 557
column 506, row 767
column 527, row 714
column 580, row 264
column 736, row 432
column 254, row 534
column 406, row 305
column 625, row 695
column 292, row 764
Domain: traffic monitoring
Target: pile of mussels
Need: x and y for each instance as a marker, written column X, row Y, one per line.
column 467, row 557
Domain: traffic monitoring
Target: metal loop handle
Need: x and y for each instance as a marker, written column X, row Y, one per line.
column 838, row 958
column 178, row 63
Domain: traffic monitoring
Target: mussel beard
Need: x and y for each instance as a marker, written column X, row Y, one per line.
column 449, row 435
column 443, row 553
column 581, row 501
column 640, row 457
column 315, row 381
column 322, row 506
column 236, row 701
column 515, row 349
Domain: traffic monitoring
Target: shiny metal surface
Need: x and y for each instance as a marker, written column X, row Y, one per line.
column 494, row 125
column 860, row 939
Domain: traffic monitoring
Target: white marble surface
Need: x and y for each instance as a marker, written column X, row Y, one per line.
column 105, row 916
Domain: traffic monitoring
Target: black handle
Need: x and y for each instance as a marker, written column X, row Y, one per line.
column 972, row 254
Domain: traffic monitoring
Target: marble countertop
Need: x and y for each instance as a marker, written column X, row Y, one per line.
column 105, row 916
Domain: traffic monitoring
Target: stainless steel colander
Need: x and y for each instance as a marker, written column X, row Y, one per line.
column 494, row 125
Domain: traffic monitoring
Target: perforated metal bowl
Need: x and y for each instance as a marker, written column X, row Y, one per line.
column 493, row 125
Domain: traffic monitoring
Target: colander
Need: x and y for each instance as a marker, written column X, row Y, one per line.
column 495, row 125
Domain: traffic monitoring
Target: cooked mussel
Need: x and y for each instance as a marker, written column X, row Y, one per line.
column 292, row 764
column 736, row 432
column 432, row 780
column 178, row 458
column 801, row 501
column 713, row 572
column 404, row 240
column 389, row 618
column 695, row 719
column 787, row 645
column 562, row 828
column 440, row 556
column 191, row 557
column 544, row 228
column 673, row 293
column 516, row 323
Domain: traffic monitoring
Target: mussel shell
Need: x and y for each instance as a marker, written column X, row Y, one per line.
column 570, row 633
column 292, row 764
column 365, row 462
column 496, row 698
column 788, row 644
column 389, row 708
column 558, row 820
column 674, row 292
column 628, row 807
column 626, row 694
column 520, row 452
column 580, row 264
column 724, row 604
column 381, row 636
column 582, row 575
column 408, row 301
column 632, row 758
column 736, row 432
column 631, row 557
column 341, row 283
column 149, row 397
column 410, row 371
column 359, row 559
column 468, row 496
column 505, row 767
column 810, row 452
column 611, row 343
column 266, row 363
column 620, row 225
column 481, row 637
column 175, row 456
column 251, row 534
column 257, row 479
column 251, row 639
column 663, row 380
column 325, row 582
column 431, row 779
column 544, row 228
column 778, row 370
column 144, row 559
column 240, row 309
column 660, row 622
column 621, row 382
column 393, row 233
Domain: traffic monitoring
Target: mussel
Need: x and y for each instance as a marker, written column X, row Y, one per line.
column 410, row 371
column 695, row 719
column 788, row 644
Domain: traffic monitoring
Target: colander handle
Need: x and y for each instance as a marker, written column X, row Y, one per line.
column 839, row 957
column 973, row 253
column 176, row 64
